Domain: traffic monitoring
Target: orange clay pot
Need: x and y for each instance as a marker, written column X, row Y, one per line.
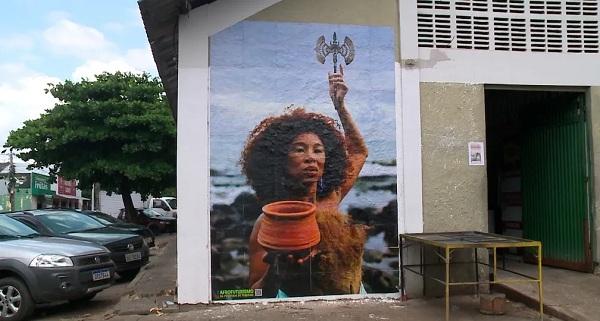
column 289, row 226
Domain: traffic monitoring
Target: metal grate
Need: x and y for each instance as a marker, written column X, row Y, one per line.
column 558, row 26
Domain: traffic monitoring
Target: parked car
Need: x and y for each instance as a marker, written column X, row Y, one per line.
column 154, row 220
column 128, row 251
column 112, row 221
column 164, row 205
column 36, row 269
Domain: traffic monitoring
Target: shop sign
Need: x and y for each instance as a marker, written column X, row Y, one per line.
column 40, row 184
column 66, row 187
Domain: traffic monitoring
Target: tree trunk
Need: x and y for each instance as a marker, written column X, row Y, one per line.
column 128, row 202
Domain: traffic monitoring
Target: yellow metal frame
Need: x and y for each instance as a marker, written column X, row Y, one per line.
column 449, row 246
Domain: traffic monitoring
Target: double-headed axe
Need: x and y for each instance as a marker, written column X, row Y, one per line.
column 346, row 50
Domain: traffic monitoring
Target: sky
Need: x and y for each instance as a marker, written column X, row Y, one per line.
column 258, row 68
column 45, row 42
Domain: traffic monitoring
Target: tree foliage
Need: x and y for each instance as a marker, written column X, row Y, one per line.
column 116, row 130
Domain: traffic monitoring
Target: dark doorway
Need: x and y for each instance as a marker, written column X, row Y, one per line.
column 538, row 172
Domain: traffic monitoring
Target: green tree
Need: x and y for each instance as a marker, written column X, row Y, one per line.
column 116, row 130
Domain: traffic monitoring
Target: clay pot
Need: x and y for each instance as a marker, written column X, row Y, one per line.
column 289, row 226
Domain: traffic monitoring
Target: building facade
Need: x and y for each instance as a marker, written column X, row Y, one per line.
column 490, row 110
column 35, row 190
column 32, row 191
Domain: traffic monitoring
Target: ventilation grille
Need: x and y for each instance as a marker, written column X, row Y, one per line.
column 472, row 32
column 557, row 26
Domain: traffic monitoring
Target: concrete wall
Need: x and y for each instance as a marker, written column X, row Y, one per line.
column 114, row 203
column 594, row 127
column 454, row 193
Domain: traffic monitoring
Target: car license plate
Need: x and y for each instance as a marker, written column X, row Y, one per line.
column 100, row 275
column 135, row 256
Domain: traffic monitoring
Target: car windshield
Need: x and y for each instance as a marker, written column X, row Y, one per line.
column 9, row 228
column 173, row 203
column 104, row 218
column 68, row 222
column 152, row 213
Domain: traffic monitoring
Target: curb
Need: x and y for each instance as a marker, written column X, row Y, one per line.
column 141, row 303
column 147, row 307
column 159, row 251
column 133, row 283
column 534, row 303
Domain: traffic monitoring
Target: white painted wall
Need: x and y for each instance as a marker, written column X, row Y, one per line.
column 195, row 28
column 193, row 174
column 509, row 68
column 408, row 120
column 114, row 203
column 417, row 65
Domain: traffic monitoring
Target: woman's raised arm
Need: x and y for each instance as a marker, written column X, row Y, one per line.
column 355, row 143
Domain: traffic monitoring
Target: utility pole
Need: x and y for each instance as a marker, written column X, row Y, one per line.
column 93, row 196
column 12, row 181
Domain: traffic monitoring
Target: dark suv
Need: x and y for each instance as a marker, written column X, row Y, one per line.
column 128, row 251
column 111, row 221
column 36, row 269
column 155, row 221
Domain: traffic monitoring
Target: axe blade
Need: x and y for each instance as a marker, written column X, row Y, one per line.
column 321, row 49
column 348, row 50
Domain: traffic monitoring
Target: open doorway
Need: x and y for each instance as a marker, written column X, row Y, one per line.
column 538, row 172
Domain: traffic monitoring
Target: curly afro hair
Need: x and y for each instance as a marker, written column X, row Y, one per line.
column 264, row 158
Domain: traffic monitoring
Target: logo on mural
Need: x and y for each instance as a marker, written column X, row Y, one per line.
column 310, row 206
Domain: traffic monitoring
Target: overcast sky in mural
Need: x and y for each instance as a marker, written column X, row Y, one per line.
column 259, row 68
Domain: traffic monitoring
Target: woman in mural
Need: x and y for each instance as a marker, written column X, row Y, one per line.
column 304, row 156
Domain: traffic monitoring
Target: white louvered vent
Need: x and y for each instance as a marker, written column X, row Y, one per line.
column 472, row 32
column 546, row 6
column 509, row 34
column 508, row 6
column 472, row 5
column 558, row 26
column 546, row 35
column 434, row 30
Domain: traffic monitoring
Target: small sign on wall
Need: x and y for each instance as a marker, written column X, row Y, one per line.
column 476, row 154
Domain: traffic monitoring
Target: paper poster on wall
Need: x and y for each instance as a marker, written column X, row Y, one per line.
column 303, row 160
column 476, row 154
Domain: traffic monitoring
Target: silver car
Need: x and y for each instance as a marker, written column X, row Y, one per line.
column 36, row 269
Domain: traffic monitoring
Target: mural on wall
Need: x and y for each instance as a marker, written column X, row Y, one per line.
column 303, row 160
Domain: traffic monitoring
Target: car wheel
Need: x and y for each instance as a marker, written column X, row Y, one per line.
column 16, row 303
column 84, row 298
column 129, row 274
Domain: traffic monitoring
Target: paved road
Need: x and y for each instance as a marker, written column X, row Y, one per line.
column 145, row 292
column 103, row 304
column 100, row 305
